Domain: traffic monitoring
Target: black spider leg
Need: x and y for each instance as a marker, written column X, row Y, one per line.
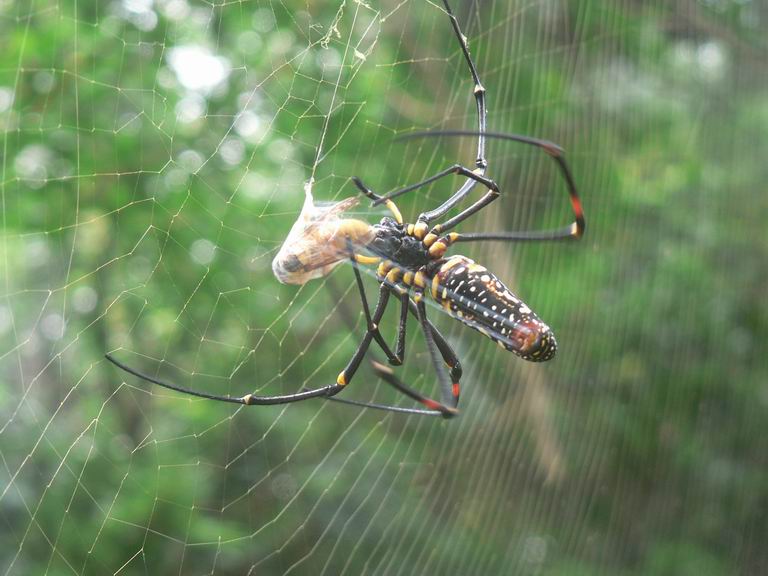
column 449, row 391
column 473, row 176
column 371, row 324
column 572, row 231
column 372, row 332
column 395, row 358
column 401, row 328
column 343, row 379
column 247, row 400
column 398, row 357
column 326, row 391
column 385, row 407
column 449, row 357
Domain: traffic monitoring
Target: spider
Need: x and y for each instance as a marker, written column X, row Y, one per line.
column 411, row 262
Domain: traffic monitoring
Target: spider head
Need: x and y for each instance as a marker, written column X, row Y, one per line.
column 390, row 224
column 387, row 237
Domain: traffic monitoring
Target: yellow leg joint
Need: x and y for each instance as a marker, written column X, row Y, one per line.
column 341, row 380
column 367, row 259
column 420, row 230
column 383, row 268
column 395, row 211
column 429, row 239
column 437, row 250
column 393, row 275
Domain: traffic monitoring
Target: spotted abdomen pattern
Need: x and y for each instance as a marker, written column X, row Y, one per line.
column 473, row 295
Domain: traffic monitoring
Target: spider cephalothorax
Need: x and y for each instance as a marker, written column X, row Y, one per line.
column 411, row 261
column 392, row 242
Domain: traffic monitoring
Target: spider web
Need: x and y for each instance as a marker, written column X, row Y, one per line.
column 154, row 156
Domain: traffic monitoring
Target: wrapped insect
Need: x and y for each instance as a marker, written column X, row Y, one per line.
column 318, row 240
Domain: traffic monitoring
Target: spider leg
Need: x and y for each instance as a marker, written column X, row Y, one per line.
column 247, row 400
column 449, row 391
column 473, row 176
column 574, row 230
column 433, row 407
column 346, row 375
column 385, row 407
column 397, row 359
column 449, row 357
column 372, row 326
column 400, row 343
column 449, row 388
column 378, row 199
column 373, row 332
column 571, row 232
column 478, row 91
column 325, row 391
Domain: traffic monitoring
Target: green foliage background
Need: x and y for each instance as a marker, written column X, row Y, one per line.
column 141, row 217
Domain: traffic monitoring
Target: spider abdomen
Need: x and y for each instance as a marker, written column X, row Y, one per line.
column 475, row 296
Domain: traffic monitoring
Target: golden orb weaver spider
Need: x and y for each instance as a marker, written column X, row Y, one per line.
column 411, row 258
